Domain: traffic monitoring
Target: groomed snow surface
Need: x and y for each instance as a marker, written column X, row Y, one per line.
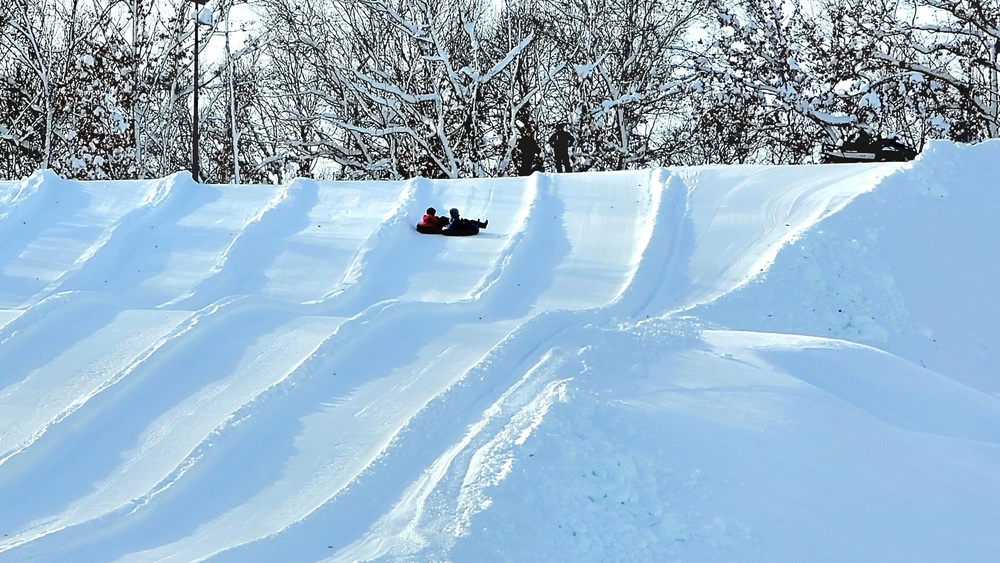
column 734, row 363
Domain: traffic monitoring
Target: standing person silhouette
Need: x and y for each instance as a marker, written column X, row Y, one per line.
column 527, row 151
column 560, row 142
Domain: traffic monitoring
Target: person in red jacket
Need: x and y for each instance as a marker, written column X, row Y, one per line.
column 431, row 220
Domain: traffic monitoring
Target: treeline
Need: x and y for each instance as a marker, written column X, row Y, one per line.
column 393, row 89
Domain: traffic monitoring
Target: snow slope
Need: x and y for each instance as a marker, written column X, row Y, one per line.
column 700, row 364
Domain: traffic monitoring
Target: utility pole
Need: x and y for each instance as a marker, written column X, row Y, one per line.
column 195, row 165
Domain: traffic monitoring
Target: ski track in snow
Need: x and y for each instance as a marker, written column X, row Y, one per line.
column 242, row 330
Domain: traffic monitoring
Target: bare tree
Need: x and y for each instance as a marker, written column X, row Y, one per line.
column 397, row 89
column 622, row 76
column 959, row 41
column 31, row 54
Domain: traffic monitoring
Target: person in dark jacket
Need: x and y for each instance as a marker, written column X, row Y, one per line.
column 560, row 142
column 458, row 221
column 527, row 152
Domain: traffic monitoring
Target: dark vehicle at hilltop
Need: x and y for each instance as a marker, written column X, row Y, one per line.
column 862, row 147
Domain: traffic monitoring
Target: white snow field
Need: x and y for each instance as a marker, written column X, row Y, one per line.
column 733, row 363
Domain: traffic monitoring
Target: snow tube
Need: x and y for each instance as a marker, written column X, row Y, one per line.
column 460, row 231
column 428, row 230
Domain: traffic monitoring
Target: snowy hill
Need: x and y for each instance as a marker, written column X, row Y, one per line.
column 700, row 364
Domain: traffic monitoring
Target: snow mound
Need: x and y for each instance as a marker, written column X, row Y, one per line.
column 743, row 363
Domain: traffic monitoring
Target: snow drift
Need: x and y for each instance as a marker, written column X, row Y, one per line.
column 717, row 363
